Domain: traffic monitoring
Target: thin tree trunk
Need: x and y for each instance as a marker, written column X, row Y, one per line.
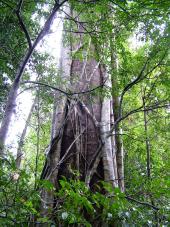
column 148, row 158
column 148, row 162
column 7, row 116
column 114, row 144
column 109, row 171
column 38, row 137
column 21, row 141
column 11, row 102
column 117, row 130
column 119, row 147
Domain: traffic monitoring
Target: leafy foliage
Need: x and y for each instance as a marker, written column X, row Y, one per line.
column 141, row 78
column 76, row 204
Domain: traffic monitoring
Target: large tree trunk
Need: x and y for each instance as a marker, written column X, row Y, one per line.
column 80, row 127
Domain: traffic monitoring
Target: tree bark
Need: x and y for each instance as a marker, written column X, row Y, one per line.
column 148, row 162
column 108, row 152
column 11, row 102
column 116, row 111
column 21, row 141
column 53, row 153
column 81, row 142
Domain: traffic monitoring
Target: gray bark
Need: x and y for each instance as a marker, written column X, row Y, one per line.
column 109, row 171
column 118, row 145
column 21, row 141
column 7, row 116
column 50, row 171
column 11, row 102
column 80, row 127
column 116, row 111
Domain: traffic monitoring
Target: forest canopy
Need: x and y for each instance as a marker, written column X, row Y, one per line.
column 92, row 148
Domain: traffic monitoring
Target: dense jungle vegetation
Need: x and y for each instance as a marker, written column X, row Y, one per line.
column 94, row 146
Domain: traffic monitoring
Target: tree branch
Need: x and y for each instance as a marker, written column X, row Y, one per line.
column 7, row 4
column 18, row 11
column 10, row 104
column 123, row 9
column 139, row 109
column 60, row 90
column 138, row 79
column 142, row 203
